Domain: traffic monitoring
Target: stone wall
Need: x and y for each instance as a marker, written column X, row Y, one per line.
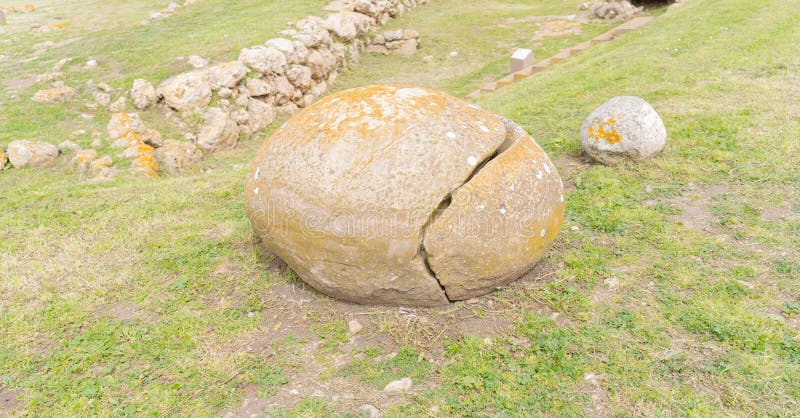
column 216, row 105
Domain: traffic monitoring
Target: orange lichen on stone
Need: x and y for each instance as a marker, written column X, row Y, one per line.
column 145, row 162
column 369, row 111
column 606, row 130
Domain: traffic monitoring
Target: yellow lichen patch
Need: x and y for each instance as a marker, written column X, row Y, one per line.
column 606, row 130
column 3, row 159
column 145, row 162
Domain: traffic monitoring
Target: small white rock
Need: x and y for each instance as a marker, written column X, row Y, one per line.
column 402, row 385
column 368, row 411
column 354, row 326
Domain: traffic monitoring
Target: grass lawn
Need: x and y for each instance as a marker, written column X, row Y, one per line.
column 672, row 290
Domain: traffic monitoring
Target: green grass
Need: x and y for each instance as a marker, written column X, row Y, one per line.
column 151, row 298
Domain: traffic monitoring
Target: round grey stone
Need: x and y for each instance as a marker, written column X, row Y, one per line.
column 625, row 127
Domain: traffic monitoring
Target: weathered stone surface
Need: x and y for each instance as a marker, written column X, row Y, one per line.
column 55, row 95
column 321, row 62
column 347, row 25
column 345, row 191
column 68, row 146
column 186, row 91
column 226, row 74
column 258, row 87
column 264, row 59
column 261, row 115
column 218, row 131
column 143, row 94
column 500, row 223
column 102, row 98
column 625, row 127
column 24, row 153
column 173, row 155
column 145, row 163
column 399, row 386
column 294, row 51
column 83, row 159
column 123, row 123
column 3, row 159
column 299, row 76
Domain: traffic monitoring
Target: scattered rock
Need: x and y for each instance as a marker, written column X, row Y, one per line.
column 83, row 160
column 173, row 156
column 399, row 386
column 354, row 326
column 143, row 94
column 625, row 127
column 123, row 123
column 24, row 153
column 101, row 98
column 90, row 64
column 144, row 164
column 68, row 146
column 197, row 61
column 401, row 42
column 55, row 95
column 434, row 146
column 368, row 411
column 119, row 105
column 105, row 87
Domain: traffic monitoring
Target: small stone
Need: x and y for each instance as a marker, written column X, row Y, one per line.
column 143, row 94
column 574, row 228
column 123, row 123
column 79, row 132
column 368, row 411
column 68, row 146
column 453, row 54
column 90, row 64
column 427, row 59
column 101, row 98
column 623, row 128
column 83, row 159
column 197, row 61
column 398, row 386
column 119, row 105
column 105, row 87
column 55, row 95
column 611, row 282
column 354, row 326
column 173, row 156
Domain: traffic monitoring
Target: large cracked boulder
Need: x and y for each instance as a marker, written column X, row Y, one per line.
column 403, row 195
column 625, row 127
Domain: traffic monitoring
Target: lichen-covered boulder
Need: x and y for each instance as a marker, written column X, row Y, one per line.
column 24, row 153
column 625, row 127
column 403, row 195
column 173, row 156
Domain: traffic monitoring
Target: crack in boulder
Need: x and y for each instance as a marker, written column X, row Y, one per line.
column 448, row 198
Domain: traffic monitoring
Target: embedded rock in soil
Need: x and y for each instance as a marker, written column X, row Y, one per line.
column 348, row 191
column 625, row 127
